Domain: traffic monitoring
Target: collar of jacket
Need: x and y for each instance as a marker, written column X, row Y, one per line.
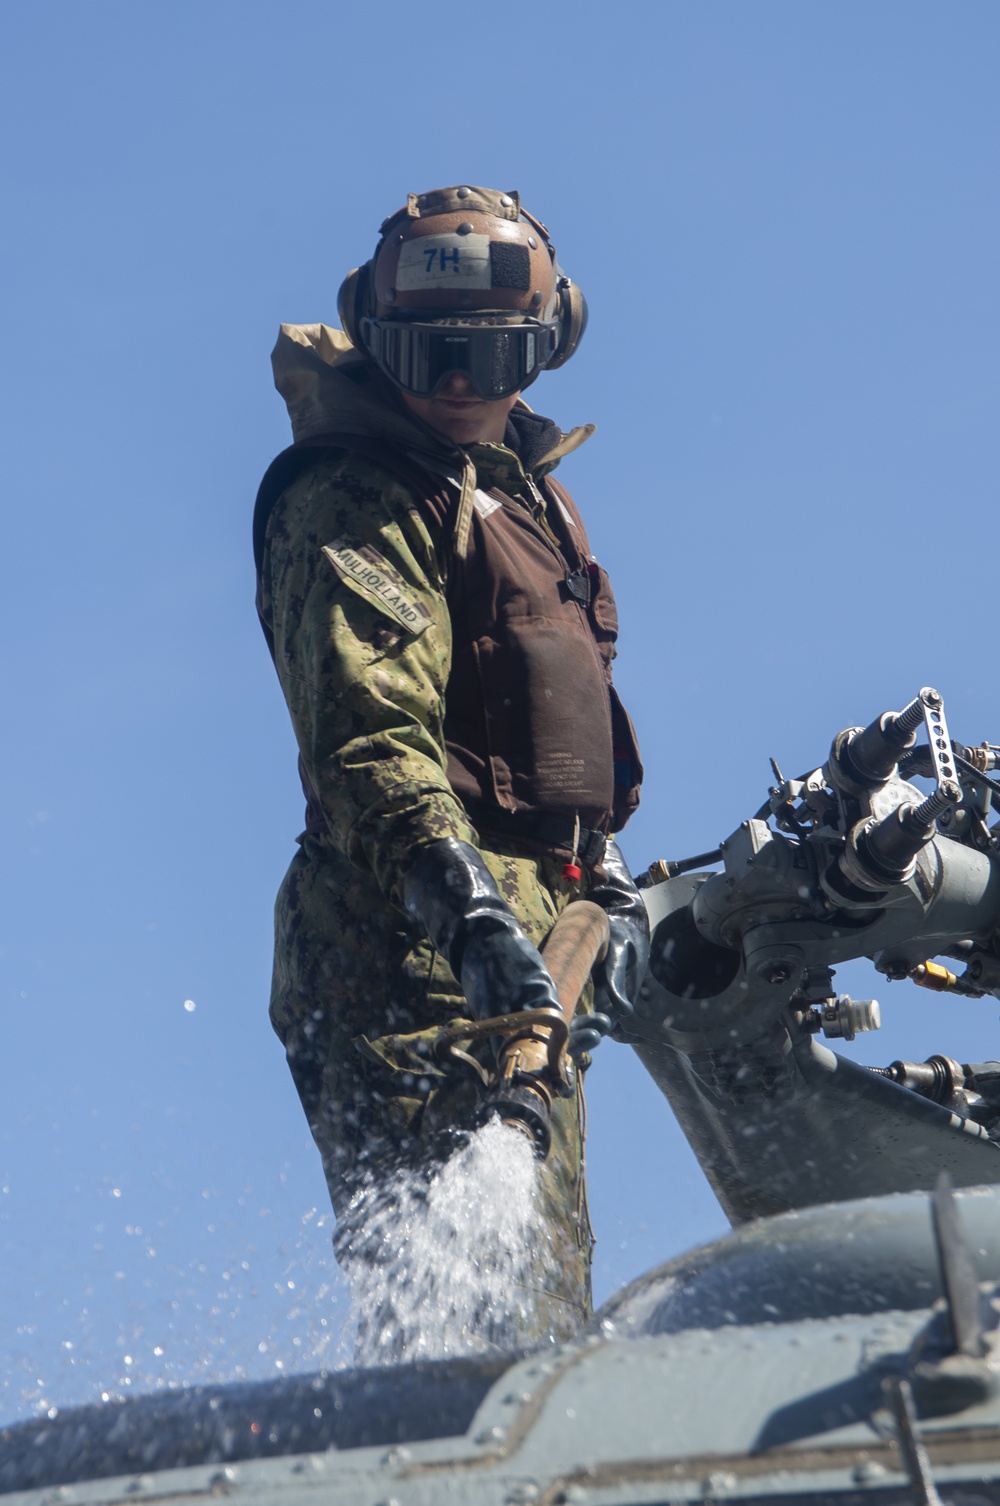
column 328, row 386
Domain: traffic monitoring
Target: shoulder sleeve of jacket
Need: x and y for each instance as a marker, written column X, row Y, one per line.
column 354, row 581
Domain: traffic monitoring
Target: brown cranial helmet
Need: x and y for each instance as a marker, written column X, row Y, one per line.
column 463, row 279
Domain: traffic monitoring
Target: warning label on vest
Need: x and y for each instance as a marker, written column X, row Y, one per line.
column 363, row 568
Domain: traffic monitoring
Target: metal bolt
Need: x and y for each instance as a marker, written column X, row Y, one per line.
column 532, row 243
column 777, row 972
column 463, row 193
column 909, row 719
column 506, row 200
column 465, row 228
column 492, row 1435
column 868, row 1472
column 924, row 813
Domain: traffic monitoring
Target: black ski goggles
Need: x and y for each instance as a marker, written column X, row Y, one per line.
column 498, row 359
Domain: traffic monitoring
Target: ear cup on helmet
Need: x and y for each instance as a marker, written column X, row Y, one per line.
column 352, row 302
column 572, row 321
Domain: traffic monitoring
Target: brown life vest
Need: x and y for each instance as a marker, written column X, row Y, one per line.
column 533, row 723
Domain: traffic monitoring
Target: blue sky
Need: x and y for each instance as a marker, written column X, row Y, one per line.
column 785, row 219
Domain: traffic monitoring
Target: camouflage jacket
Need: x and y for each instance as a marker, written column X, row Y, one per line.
column 353, row 594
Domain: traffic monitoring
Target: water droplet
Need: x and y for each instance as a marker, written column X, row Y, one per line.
column 492, row 1435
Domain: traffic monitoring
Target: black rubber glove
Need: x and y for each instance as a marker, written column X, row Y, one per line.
column 450, row 889
column 618, row 978
column 586, row 1032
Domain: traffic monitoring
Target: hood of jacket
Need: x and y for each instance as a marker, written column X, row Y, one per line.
column 330, row 387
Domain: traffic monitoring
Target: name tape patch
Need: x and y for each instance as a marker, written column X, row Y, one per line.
column 363, row 568
column 450, row 261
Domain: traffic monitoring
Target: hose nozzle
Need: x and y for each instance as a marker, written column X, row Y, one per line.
column 533, row 1065
column 525, row 1107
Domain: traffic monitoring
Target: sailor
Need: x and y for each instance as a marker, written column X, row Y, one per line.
column 443, row 636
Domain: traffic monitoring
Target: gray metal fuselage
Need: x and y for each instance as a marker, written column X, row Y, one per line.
column 753, row 1369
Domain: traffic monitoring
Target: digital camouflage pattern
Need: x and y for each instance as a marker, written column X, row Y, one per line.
column 365, row 693
column 353, row 589
column 347, row 965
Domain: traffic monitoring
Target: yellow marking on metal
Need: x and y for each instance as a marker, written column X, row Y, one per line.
column 933, row 975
